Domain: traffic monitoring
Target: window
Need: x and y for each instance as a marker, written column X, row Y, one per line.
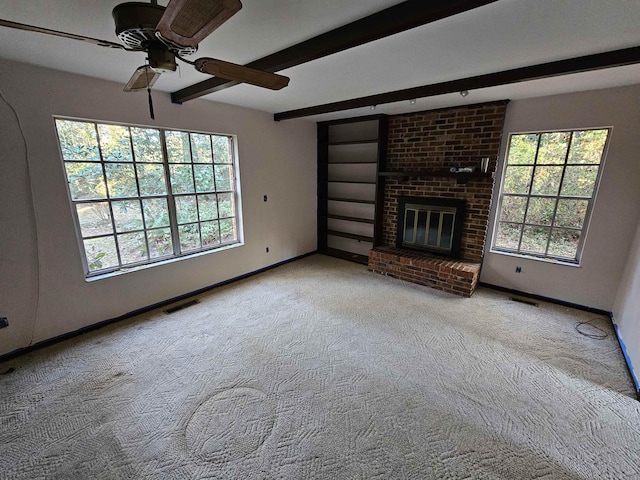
column 141, row 195
column 547, row 193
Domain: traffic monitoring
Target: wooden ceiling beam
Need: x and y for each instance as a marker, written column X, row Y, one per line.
column 392, row 20
column 615, row 58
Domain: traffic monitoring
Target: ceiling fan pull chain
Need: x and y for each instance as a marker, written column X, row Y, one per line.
column 150, row 104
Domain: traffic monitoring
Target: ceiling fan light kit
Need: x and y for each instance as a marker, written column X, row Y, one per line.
column 167, row 33
column 144, row 77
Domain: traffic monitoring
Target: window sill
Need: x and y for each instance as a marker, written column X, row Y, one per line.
column 555, row 261
column 138, row 268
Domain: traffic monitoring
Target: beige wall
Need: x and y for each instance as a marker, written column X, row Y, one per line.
column 626, row 309
column 42, row 287
column 617, row 209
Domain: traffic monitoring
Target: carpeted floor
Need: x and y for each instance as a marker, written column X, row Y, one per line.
column 320, row 369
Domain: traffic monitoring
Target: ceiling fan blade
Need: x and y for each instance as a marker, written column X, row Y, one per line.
column 144, row 77
column 187, row 22
column 239, row 73
column 47, row 31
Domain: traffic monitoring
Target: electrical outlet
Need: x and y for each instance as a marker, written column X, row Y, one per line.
column 264, row 198
column 4, row 322
column 267, row 249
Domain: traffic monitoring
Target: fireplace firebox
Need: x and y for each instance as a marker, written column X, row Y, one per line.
column 430, row 224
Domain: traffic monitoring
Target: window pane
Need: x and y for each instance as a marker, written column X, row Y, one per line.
column 181, row 178
column 571, row 213
column 210, row 233
column 221, row 149
column 228, row 230
column 101, row 253
column 564, row 243
column 208, row 207
column 562, row 190
column 115, row 143
column 522, row 149
column 146, row 145
column 127, row 215
column 204, row 178
column 540, row 211
column 223, row 177
column 189, row 237
column 186, row 209
column 156, row 213
column 225, row 205
column 160, row 244
column 546, row 180
column 201, row 148
column 579, row 181
column 178, row 147
column 587, row 147
column 78, row 140
column 508, row 235
column 133, row 247
column 517, row 179
column 513, row 209
column 151, row 179
column 553, row 147
column 117, row 180
column 534, row 239
column 86, row 181
column 121, row 179
column 94, row 219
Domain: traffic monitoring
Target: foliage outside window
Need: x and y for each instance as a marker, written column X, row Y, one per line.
column 142, row 195
column 547, row 192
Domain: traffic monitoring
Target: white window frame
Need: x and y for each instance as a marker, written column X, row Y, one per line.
column 591, row 200
column 177, row 254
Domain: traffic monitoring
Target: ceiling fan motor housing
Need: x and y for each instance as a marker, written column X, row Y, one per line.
column 161, row 60
column 136, row 28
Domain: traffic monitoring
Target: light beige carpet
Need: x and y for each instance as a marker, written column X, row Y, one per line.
column 320, row 369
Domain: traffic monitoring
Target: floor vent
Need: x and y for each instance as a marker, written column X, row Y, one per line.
column 182, row 306
column 523, row 300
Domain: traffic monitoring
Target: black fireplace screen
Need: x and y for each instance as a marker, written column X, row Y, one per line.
column 431, row 224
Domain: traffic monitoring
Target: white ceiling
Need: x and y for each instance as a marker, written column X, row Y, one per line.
column 503, row 35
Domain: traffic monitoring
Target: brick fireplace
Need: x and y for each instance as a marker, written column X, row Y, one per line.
column 422, row 148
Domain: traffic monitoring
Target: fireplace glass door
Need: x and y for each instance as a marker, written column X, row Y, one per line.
column 430, row 227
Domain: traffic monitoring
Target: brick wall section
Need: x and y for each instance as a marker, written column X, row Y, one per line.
column 453, row 276
column 437, row 140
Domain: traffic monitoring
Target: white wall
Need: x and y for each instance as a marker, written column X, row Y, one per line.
column 49, row 297
column 626, row 309
column 617, row 206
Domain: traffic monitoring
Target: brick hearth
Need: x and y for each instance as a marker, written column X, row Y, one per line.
column 453, row 276
column 435, row 141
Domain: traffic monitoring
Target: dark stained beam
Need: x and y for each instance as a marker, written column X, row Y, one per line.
column 616, row 58
column 392, row 20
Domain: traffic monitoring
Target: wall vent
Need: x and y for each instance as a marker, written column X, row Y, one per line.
column 182, row 306
column 523, row 300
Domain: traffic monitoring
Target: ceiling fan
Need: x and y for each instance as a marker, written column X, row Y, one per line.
column 169, row 33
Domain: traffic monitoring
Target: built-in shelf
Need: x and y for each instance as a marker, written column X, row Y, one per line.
column 353, row 142
column 352, row 181
column 350, row 219
column 354, row 200
column 354, row 257
column 349, row 163
column 352, row 236
column 350, row 153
